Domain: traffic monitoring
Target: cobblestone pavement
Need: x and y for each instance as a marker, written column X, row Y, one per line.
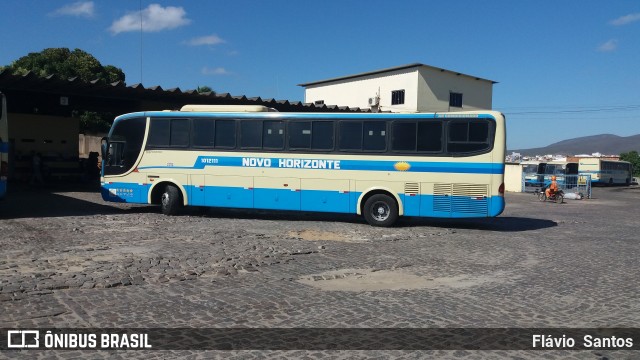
column 70, row 260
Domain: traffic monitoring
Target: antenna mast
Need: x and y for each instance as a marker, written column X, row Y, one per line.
column 140, row 41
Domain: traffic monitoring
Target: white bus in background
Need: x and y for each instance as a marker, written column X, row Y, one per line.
column 379, row 165
column 530, row 169
column 539, row 174
column 606, row 172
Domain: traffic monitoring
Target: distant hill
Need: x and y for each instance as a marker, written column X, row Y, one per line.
column 606, row 144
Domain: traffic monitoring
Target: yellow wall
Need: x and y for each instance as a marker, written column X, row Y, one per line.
column 48, row 135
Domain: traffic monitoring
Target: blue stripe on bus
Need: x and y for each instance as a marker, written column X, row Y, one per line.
column 337, row 164
column 424, row 205
column 4, row 147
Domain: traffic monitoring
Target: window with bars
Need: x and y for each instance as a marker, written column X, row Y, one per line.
column 455, row 100
column 397, row 97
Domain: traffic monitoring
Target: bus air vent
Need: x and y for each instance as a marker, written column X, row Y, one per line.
column 411, row 188
column 442, row 198
column 467, row 199
column 470, row 199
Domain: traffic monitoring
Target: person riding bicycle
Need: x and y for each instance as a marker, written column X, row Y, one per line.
column 553, row 187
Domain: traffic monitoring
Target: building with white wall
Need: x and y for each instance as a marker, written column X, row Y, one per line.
column 408, row 88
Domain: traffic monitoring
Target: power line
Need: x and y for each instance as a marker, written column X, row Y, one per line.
column 140, row 41
column 620, row 108
column 571, row 110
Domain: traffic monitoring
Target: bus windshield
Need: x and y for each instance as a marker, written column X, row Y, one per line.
column 125, row 143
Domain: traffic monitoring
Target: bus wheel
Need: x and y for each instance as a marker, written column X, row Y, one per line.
column 171, row 200
column 380, row 210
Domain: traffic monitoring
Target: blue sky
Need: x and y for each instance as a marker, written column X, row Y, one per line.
column 564, row 68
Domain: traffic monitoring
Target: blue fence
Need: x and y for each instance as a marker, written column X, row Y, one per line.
column 578, row 184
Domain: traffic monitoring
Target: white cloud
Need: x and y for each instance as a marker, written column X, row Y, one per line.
column 154, row 18
column 610, row 45
column 627, row 19
column 81, row 8
column 205, row 40
column 215, row 71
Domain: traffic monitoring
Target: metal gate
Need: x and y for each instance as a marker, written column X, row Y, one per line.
column 577, row 184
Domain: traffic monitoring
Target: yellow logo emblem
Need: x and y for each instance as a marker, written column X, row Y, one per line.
column 402, row 166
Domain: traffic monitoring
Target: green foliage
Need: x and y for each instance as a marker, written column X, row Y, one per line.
column 66, row 64
column 634, row 159
column 93, row 122
column 204, row 89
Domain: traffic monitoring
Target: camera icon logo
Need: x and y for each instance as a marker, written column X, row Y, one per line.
column 23, row 339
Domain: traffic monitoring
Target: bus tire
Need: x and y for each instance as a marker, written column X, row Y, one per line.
column 380, row 210
column 171, row 200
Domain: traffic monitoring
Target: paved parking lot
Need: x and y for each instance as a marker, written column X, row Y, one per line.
column 70, row 260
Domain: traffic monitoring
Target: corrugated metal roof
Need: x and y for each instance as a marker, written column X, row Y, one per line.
column 382, row 71
column 119, row 90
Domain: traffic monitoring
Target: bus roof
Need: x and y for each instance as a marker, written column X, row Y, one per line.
column 227, row 108
column 260, row 113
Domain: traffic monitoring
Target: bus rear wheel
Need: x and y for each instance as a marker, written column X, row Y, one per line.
column 170, row 200
column 380, row 210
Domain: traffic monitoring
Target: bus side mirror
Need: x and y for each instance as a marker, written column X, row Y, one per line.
column 104, row 147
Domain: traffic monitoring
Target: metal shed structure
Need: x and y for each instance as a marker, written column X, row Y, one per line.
column 41, row 112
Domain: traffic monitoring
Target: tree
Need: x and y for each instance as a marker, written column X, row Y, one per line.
column 204, row 89
column 66, row 64
column 93, row 122
column 634, row 158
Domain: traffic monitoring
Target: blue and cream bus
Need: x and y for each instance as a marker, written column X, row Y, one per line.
column 4, row 146
column 379, row 165
column 606, row 172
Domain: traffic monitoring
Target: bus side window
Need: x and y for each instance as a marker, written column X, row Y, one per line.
column 322, row 136
column 169, row 133
column 250, row 134
column 299, row 135
column 467, row 136
column 429, row 136
column 203, row 132
column 374, row 135
column 350, row 136
column 225, row 134
column 273, row 135
column 403, row 136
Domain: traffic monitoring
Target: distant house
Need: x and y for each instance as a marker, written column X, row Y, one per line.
column 409, row 88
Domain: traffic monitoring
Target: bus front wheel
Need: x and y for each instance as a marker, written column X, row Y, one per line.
column 380, row 210
column 170, row 200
